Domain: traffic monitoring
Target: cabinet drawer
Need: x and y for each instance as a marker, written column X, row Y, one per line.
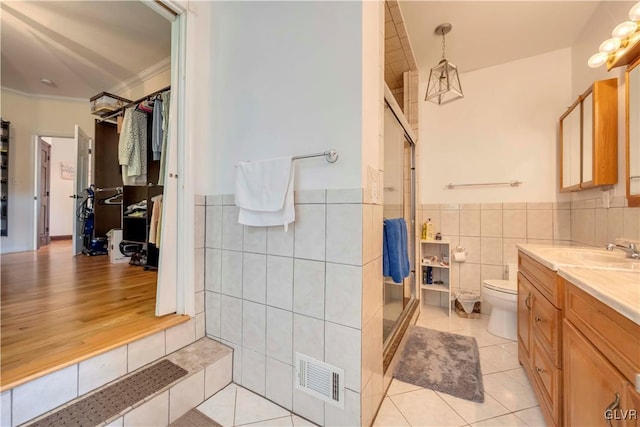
column 543, row 278
column 547, row 327
column 613, row 334
column 548, row 378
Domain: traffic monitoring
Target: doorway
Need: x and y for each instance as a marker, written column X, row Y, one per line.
column 44, row 185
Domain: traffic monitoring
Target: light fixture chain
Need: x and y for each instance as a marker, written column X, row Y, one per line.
column 443, row 47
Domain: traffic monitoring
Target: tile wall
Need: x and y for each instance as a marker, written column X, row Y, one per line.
column 594, row 225
column 271, row 293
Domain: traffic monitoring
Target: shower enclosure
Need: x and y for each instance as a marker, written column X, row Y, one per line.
column 399, row 202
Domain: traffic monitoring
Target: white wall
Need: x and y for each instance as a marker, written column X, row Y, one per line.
column 61, row 209
column 33, row 116
column 287, row 79
column 504, row 129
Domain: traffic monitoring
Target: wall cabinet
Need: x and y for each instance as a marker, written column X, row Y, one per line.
column 589, row 139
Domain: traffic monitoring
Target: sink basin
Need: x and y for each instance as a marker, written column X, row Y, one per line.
column 597, row 258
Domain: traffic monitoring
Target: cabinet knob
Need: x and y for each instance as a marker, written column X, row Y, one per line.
column 538, row 319
column 608, row 412
column 539, row 370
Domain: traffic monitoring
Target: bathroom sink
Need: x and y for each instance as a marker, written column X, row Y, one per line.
column 597, row 258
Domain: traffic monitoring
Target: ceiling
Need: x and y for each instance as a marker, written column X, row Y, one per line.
column 85, row 47
column 487, row 33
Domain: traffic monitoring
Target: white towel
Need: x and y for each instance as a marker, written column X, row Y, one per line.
column 264, row 192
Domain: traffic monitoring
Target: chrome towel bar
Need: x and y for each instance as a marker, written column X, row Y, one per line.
column 510, row 183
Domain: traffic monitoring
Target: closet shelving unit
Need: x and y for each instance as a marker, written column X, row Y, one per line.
column 431, row 256
column 4, row 177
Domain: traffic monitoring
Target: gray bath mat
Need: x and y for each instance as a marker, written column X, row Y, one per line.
column 442, row 361
column 104, row 404
column 194, row 418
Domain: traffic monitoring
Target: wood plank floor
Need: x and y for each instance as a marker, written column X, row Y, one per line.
column 57, row 310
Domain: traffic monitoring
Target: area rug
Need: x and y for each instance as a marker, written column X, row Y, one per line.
column 442, row 361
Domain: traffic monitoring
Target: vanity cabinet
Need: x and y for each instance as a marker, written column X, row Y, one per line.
column 589, row 139
column 540, row 298
column 601, row 359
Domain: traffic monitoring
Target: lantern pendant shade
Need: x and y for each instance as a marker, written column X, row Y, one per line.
column 444, row 83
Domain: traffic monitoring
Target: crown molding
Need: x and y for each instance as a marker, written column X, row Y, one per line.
column 142, row 76
column 43, row 96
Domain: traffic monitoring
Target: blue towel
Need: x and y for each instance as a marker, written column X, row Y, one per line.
column 395, row 255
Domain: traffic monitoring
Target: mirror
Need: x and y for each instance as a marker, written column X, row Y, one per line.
column 632, row 89
column 570, row 148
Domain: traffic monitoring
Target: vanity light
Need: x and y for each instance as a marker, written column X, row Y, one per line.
column 624, row 35
column 444, row 83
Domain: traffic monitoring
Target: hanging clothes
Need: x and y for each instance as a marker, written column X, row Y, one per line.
column 156, row 220
column 156, row 129
column 166, row 96
column 132, row 148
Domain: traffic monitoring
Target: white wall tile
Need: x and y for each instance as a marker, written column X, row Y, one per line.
column 615, row 223
column 343, row 350
column 43, row 394
column 214, row 200
column 470, row 222
column 180, row 335
column 237, row 360
column 600, row 224
column 254, row 371
column 231, row 321
column 214, row 227
column 228, row 199
column 491, row 223
column 510, row 250
column 344, row 233
column 255, row 239
column 218, row 375
column 145, row 350
column 213, row 270
column 280, row 242
column 199, row 302
column 562, row 225
column 310, row 232
column 101, row 369
column 231, row 276
column 539, row 205
column 450, row 222
column 308, row 336
column 491, row 250
column 372, row 289
column 472, row 246
column 280, row 335
column 199, row 213
column 308, row 407
column 154, row 412
column 116, row 423
column 514, row 223
column 367, row 233
column 377, row 222
column 539, row 224
column 279, row 379
column 344, row 291
column 488, row 272
column 308, row 287
column 213, row 313
column 200, row 325
column 470, row 276
column 198, row 269
column 280, row 282
column 514, row 205
column 5, row 408
column 583, row 226
column 232, row 231
column 345, row 195
column 185, row 395
column 254, row 324
column 470, row 206
column 632, row 223
column 199, row 200
column 349, row 416
column 254, row 277
column 310, row 196
column 371, row 348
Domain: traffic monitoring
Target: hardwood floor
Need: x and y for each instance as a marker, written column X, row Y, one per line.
column 58, row 310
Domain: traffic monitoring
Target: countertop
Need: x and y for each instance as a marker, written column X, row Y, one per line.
column 607, row 276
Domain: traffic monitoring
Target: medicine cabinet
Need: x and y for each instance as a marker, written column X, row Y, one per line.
column 632, row 89
column 589, row 139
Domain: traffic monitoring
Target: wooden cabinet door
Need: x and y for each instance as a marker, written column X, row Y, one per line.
column 631, row 404
column 593, row 388
column 525, row 304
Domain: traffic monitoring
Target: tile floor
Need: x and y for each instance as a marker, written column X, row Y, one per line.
column 509, row 398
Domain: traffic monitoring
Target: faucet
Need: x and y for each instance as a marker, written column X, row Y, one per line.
column 631, row 250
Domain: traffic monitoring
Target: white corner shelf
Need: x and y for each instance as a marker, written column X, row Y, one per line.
column 439, row 271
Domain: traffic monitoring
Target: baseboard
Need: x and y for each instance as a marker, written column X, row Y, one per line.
column 63, row 237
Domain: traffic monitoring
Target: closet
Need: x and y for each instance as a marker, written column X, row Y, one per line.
column 118, row 204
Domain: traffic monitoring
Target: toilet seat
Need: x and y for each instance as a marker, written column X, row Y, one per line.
column 504, row 286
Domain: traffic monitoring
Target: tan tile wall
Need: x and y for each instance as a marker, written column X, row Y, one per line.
column 594, row 225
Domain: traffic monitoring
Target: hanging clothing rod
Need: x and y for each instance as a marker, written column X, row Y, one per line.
column 132, row 103
column 511, row 183
column 119, row 189
column 331, row 156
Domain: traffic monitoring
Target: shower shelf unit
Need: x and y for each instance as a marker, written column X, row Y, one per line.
column 441, row 272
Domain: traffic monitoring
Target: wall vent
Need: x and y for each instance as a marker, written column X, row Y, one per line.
column 320, row 380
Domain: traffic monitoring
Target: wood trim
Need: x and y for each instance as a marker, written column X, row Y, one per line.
column 576, row 187
column 605, row 132
column 61, row 237
column 632, row 200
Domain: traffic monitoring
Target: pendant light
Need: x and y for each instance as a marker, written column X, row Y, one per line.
column 444, row 83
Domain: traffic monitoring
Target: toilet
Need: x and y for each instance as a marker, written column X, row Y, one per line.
column 503, row 297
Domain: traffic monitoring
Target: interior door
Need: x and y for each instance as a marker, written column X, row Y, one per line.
column 80, row 184
column 43, row 193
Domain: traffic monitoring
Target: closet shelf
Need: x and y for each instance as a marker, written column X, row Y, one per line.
column 439, row 288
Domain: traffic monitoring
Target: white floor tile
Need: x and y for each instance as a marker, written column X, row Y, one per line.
column 510, row 393
column 301, row 422
column 483, row 337
column 398, row 387
column 252, row 408
column 519, row 376
column 532, row 416
column 389, row 415
column 496, row 359
column 472, row 411
column 508, row 420
column 276, row 422
column 425, row 408
column 510, row 347
column 221, row 406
